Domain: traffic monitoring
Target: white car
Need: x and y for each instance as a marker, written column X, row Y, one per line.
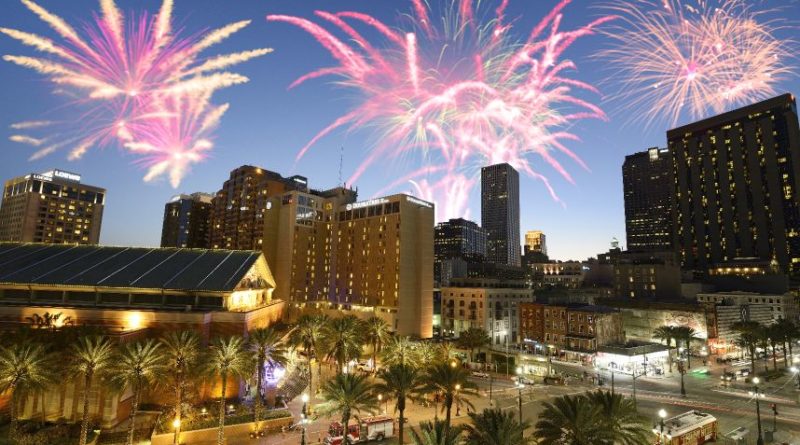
column 480, row 374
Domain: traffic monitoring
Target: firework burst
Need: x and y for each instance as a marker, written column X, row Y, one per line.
column 129, row 80
column 461, row 93
column 683, row 57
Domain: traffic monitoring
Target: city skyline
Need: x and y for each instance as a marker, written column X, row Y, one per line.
column 267, row 124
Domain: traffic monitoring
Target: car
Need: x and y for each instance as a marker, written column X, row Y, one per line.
column 743, row 372
column 480, row 374
column 364, row 367
column 525, row 380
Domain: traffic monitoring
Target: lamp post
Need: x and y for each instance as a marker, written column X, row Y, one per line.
column 176, row 424
column 519, row 400
column 756, row 381
column 662, row 414
column 458, row 405
column 682, row 371
column 303, row 420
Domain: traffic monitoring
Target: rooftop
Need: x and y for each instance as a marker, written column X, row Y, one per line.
column 135, row 267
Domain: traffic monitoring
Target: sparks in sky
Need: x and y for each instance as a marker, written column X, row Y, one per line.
column 457, row 89
column 674, row 58
column 127, row 83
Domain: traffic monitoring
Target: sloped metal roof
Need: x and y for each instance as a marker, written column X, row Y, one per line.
column 136, row 267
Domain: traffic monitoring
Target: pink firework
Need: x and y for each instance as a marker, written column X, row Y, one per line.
column 674, row 58
column 119, row 73
column 458, row 91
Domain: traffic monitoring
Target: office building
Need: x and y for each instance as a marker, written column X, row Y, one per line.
column 237, row 216
column 648, row 187
column 500, row 213
column 367, row 258
column 647, row 277
column 52, row 207
column 456, row 239
column 489, row 304
column 558, row 274
column 187, row 221
column 535, row 241
column 736, row 186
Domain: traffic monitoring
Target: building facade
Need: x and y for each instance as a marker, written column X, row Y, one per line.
column 51, row 207
column 237, row 216
column 640, row 319
column 786, row 306
column 187, row 221
column 560, row 274
column 535, row 241
column 489, row 304
column 456, row 238
column 648, row 187
column 736, row 186
column 647, row 278
column 368, row 258
column 500, row 213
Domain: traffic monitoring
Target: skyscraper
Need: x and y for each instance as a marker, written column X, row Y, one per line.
column 648, row 187
column 51, row 207
column 237, row 218
column 536, row 241
column 737, row 178
column 457, row 238
column 500, row 213
column 187, row 219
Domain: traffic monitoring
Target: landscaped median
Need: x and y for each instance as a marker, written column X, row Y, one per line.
column 205, row 429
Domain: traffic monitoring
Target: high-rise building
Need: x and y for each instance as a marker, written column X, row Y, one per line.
column 367, row 258
column 535, row 241
column 737, row 184
column 51, row 207
column 648, row 187
column 237, row 217
column 500, row 213
column 187, row 219
column 457, row 238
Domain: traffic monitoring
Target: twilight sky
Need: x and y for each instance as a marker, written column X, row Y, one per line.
column 267, row 124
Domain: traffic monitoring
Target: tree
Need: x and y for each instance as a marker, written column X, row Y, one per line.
column 344, row 344
column 451, row 382
column 686, row 334
column 762, row 341
column 775, row 335
column 24, row 368
column 666, row 334
column 621, row 422
column 347, row 394
column 308, row 333
column 496, row 427
column 399, row 382
column 437, row 433
column 789, row 333
column 399, row 351
column 90, row 357
column 182, row 354
column 137, row 365
column 569, row 420
column 228, row 357
column 268, row 349
column 749, row 332
column 377, row 332
column 472, row 339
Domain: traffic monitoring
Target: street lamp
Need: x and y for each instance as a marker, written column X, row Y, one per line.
column 303, row 419
column 756, row 381
column 176, row 424
column 519, row 400
column 682, row 371
column 458, row 405
column 796, row 371
column 662, row 414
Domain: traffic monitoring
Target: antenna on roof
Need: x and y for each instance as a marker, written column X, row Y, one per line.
column 341, row 161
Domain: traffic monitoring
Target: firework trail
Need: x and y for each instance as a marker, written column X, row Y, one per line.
column 129, row 81
column 459, row 91
column 674, row 57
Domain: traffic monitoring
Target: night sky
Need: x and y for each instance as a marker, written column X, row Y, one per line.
column 267, row 124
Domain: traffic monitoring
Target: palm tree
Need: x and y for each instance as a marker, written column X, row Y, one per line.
column 347, row 394
column 749, row 332
column 182, row 353
column 666, row 334
column 786, row 330
column 496, row 427
column 343, row 340
column 775, row 334
column 268, row 349
column 621, row 421
column 399, row 351
column 473, row 338
column 762, row 340
column 569, row 420
column 228, row 357
column 399, row 382
column 452, row 382
column 308, row 333
column 686, row 335
column 137, row 365
column 91, row 357
column 377, row 332
column 24, row 368
column 437, row 433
